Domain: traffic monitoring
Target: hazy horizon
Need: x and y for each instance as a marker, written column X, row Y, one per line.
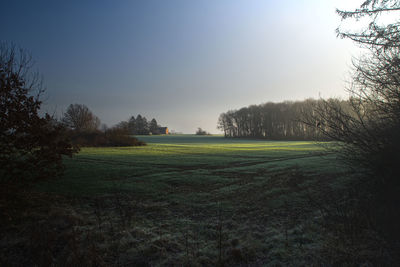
column 180, row 62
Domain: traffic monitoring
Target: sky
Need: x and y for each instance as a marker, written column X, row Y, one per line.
column 181, row 62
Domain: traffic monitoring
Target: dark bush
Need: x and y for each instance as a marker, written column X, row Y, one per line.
column 367, row 133
column 120, row 137
column 111, row 137
column 31, row 146
column 202, row 132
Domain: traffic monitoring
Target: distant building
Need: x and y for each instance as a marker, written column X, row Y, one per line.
column 163, row 130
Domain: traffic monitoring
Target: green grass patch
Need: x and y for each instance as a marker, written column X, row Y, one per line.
column 197, row 200
column 195, row 161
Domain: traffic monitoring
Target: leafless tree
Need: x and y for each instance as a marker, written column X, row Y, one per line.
column 377, row 34
column 367, row 129
column 79, row 118
column 278, row 121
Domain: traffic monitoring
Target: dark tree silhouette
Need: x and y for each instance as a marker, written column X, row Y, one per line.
column 278, row 121
column 377, row 35
column 141, row 126
column 200, row 131
column 79, row 118
column 367, row 130
column 132, row 125
column 31, row 146
column 153, row 126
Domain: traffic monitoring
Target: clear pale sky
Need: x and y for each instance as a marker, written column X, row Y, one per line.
column 182, row 62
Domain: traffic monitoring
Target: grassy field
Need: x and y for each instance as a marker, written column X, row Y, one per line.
column 194, row 200
column 168, row 162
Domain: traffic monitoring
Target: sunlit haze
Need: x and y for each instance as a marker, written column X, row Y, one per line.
column 181, row 62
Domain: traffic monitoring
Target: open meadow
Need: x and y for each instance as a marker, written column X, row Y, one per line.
column 168, row 163
column 190, row 200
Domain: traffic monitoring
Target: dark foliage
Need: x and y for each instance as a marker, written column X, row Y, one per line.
column 111, row 137
column 84, row 130
column 154, row 127
column 120, row 137
column 140, row 126
column 31, row 146
column 201, row 132
column 368, row 130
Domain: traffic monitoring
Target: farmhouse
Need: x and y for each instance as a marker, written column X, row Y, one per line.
column 163, row 130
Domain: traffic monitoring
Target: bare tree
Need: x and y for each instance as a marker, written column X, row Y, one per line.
column 277, row 121
column 367, row 129
column 79, row 118
column 378, row 34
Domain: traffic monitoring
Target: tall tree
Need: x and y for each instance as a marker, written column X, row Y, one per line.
column 132, row 125
column 142, row 126
column 153, row 126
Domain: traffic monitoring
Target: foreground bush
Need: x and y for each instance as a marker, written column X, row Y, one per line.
column 367, row 131
column 31, row 146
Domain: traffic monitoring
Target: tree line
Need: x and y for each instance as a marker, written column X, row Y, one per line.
column 141, row 126
column 278, row 121
column 86, row 128
column 80, row 118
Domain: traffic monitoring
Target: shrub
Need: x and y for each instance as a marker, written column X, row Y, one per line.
column 201, row 132
column 31, row 146
column 111, row 137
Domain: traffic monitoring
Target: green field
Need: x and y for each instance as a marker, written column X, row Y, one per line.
column 168, row 162
column 200, row 200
